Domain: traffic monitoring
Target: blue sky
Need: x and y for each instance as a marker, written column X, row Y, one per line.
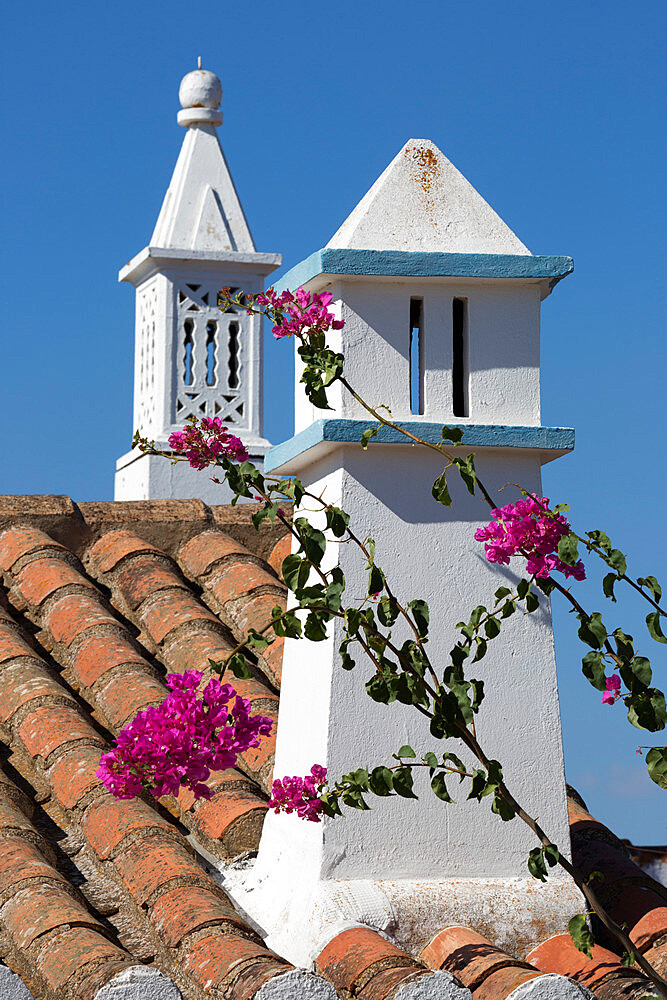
column 551, row 111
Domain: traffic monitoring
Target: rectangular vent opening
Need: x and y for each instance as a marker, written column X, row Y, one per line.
column 416, row 356
column 460, row 357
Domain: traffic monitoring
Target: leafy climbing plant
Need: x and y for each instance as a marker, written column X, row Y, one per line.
column 527, row 530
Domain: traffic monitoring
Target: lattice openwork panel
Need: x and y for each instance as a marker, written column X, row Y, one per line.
column 209, row 357
column 144, row 411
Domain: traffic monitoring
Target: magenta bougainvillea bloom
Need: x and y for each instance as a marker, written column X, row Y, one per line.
column 300, row 795
column 528, row 528
column 300, row 311
column 204, row 441
column 613, row 690
column 182, row 740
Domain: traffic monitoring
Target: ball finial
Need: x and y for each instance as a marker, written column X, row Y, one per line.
column 200, row 94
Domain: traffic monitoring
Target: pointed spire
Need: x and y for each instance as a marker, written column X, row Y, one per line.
column 201, row 210
column 422, row 202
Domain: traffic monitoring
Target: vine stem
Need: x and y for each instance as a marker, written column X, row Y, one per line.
column 591, row 896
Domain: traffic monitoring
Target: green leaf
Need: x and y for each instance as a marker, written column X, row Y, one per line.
column 387, row 611
column 546, row 585
column 627, row 960
column 502, row 808
column 381, row 781
column 600, row 539
column 536, row 865
column 478, row 785
column 239, row 667
column 656, row 762
column 420, row 615
column 608, row 585
column 592, row 631
column 580, row 934
column 647, row 709
column 453, row 434
column 593, row 669
column 346, row 661
column 439, row 786
column 551, row 854
column 532, row 602
column 501, row 592
column 640, row 669
column 406, row 751
column 315, row 629
column 653, row 625
column 440, row 492
column 568, row 550
column 380, row 689
column 481, row 650
column 313, row 541
column 466, row 467
column 295, row 572
column 616, row 560
column 256, row 640
column 337, row 521
column 431, row 759
column 375, row 580
column 369, row 433
column 492, row 628
column 652, row 584
column 403, row 783
column 457, row 762
column 523, row 587
column 335, row 588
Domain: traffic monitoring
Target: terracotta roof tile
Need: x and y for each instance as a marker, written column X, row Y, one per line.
column 114, row 546
column 20, row 541
column 217, row 962
column 166, row 586
column 355, row 958
column 279, row 553
column 473, row 959
column 184, row 909
column 602, row 969
column 71, row 615
column 45, row 576
column 631, row 896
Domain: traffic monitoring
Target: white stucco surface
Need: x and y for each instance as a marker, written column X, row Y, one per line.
column 422, row 202
column 551, row 987
column 436, row 986
column 139, row 983
column 12, row 986
column 503, row 356
column 296, row 985
column 412, row 866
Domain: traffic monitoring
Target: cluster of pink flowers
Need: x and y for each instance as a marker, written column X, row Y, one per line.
column 204, row 441
column 299, row 311
column 528, row 528
column 613, row 690
column 182, row 740
column 300, row 795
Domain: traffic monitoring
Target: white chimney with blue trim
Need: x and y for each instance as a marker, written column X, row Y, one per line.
column 441, row 304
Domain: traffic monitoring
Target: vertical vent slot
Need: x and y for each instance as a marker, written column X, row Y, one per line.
column 211, row 330
column 416, row 356
column 460, row 357
column 233, row 355
column 188, row 345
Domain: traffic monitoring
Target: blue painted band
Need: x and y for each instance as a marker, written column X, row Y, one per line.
column 346, row 431
column 417, row 264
